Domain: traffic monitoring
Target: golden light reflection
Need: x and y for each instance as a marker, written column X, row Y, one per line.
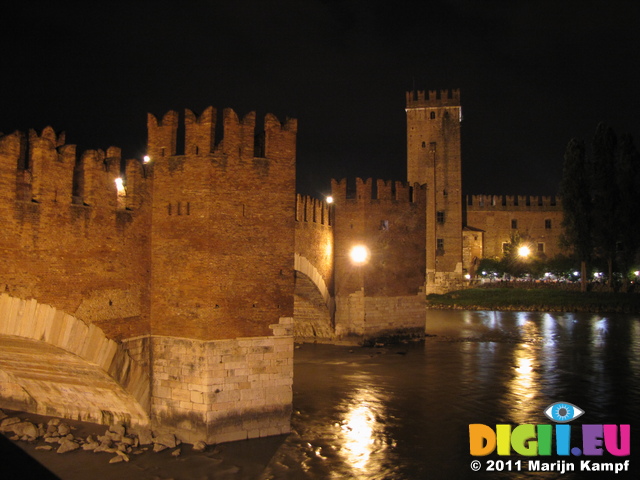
column 523, row 387
column 363, row 436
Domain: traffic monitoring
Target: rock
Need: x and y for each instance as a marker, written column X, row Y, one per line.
column 52, row 439
column 6, row 424
column 25, row 428
column 176, row 452
column 104, row 447
column 167, row 439
column 127, row 441
column 41, row 430
column 67, row 445
column 54, row 422
column 145, row 437
column 44, row 447
column 123, row 455
column 90, row 446
column 3, row 415
column 52, row 430
column 116, row 459
column 158, row 447
column 115, row 436
column 63, row 429
column 199, row 446
column 117, row 428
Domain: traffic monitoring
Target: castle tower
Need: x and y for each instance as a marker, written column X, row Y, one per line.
column 434, row 159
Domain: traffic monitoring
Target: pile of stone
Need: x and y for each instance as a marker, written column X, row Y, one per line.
column 118, row 439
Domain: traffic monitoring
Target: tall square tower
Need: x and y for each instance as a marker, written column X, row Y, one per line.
column 434, row 159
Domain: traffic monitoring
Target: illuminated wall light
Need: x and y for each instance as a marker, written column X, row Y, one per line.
column 146, row 159
column 120, row 186
column 329, row 199
column 524, row 251
column 359, row 254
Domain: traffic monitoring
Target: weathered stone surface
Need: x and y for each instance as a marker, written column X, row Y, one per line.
column 199, row 446
column 44, row 447
column 25, row 429
column 144, row 435
column 116, row 459
column 158, row 447
column 166, row 439
column 176, row 452
column 67, row 445
column 63, row 429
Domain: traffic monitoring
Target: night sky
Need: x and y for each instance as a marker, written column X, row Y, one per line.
column 532, row 75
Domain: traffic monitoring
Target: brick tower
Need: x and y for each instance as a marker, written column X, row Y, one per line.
column 433, row 158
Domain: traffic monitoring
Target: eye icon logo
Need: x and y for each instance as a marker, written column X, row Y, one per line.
column 563, row 412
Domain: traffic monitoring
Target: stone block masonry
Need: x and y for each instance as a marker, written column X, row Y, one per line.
column 221, row 390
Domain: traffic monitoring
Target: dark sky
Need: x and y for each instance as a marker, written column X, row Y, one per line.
column 532, row 75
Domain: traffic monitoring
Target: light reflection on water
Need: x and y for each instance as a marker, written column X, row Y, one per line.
column 403, row 412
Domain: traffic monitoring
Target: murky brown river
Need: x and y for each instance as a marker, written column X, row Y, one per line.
column 403, row 412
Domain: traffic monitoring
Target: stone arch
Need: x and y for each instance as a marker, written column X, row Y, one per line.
column 313, row 304
column 52, row 363
column 302, row 265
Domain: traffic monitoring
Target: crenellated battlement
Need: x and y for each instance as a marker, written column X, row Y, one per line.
column 239, row 137
column 385, row 191
column 512, row 202
column 312, row 210
column 433, row 98
column 42, row 169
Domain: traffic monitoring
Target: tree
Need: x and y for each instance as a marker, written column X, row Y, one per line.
column 628, row 209
column 577, row 206
column 605, row 196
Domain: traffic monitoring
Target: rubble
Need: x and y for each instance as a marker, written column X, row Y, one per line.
column 118, row 439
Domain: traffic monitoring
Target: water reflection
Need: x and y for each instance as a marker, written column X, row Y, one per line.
column 363, row 436
column 390, row 414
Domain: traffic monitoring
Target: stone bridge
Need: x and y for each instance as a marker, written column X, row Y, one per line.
column 54, row 364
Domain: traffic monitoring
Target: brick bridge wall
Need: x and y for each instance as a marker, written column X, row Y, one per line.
column 173, row 266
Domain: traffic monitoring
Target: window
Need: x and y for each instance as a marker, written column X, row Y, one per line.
column 440, row 216
column 439, row 246
column 514, row 223
column 432, row 115
column 384, row 224
column 540, row 247
column 547, row 224
column 504, row 247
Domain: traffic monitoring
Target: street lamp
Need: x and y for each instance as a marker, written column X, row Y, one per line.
column 359, row 254
column 524, row 251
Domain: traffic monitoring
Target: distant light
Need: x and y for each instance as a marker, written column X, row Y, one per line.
column 484, row 272
column 524, row 251
column 359, row 254
column 146, row 159
column 637, row 273
column 119, row 185
column 597, row 274
column 576, row 274
column 329, row 199
column 467, row 276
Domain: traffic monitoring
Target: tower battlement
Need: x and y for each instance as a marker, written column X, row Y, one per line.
column 239, row 137
column 433, row 98
column 42, row 169
column 312, row 210
column 512, row 202
column 386, row 191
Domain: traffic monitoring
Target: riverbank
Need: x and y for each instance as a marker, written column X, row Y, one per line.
column 539, row 299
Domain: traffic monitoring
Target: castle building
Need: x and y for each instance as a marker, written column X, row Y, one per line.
column 422, row 236
column 169, row 295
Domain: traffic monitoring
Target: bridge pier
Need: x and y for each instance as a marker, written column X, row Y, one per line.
column 220, row 390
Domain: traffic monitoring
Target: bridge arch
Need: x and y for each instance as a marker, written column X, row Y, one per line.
column 314, row 306
column 52, row 363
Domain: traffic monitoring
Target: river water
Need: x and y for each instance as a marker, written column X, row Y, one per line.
column 403, row 411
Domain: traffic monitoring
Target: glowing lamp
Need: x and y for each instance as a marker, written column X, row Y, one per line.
column 146, row 159
column 524, row 251
column 329, row 199
column 359, row 254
